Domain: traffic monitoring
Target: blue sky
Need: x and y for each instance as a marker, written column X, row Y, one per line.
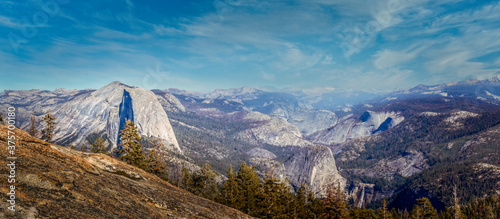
column 203, row 45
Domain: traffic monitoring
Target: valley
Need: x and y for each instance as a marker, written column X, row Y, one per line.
column 398, row 146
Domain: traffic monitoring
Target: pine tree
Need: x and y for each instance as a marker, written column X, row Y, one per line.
column 33, row 123
column 249, row 186
column 98, row 146
column 186, row 181
column 367, row 213
column 131, row 151
column 301, row 201
column 156, row 165
column 50, row 126
column 229, row 191
column 335, row 204
column 204, row 182
column 274, row 200
column 457, row 214
column 382, row 212
column 423, row 209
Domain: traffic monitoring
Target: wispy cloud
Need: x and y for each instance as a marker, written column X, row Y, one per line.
column 390, row 58
column 380, row 44
column 8, row 22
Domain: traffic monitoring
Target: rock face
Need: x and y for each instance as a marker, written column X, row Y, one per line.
column 408, row 164
column 350, row 128
column 107, row 109
column 315, row 167
column 263, row 153
column 272, row 131
column 266, row 167
column 56, row 182
column 309, row 121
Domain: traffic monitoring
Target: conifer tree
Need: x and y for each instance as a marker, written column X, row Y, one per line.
column 131, row 151
column 423, row 209
column 229, row 191
column 382, row 212
column 249, row 186
column 457, row 214
column 335, row 203
column 155, row 163
column 306, row 205
column 367, row 213
column 98, row 146
column 186, row 181
column 274, row 199
column 50, row 126
column 33, row 123
column 204, row 182
column 301, row 201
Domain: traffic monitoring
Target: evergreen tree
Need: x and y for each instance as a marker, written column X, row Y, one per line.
column 1, row 120
column 335, row 204
column 423, row 209
column 306, row 205
column 382, row 212
column 229, row 191
column 249, row 186
column 131, row 151
column 33, row 123
column 367, row 213
column 50, row 126
column 204, row 182
column 301, row 201
column 274, row 200
column 186, row 181
column 98, row 146
column 156, row 165
column 457, row 214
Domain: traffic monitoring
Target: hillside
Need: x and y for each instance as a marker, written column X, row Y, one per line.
column 427, row 155
column 57, row 182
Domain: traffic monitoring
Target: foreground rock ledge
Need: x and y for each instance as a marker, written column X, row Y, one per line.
column 56, row 182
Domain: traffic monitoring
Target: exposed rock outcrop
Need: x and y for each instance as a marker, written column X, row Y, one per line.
column 106, row 109
column 410, row 163
column 272, row 131
column 262, row 153
column 315, row 167
column 350, row 128
column 80, row 113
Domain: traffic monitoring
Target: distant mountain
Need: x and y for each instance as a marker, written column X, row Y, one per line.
column 484, row 90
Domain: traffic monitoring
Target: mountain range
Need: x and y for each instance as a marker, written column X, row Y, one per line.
column 377, row 145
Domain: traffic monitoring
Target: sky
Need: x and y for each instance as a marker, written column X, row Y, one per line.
column 377, row 45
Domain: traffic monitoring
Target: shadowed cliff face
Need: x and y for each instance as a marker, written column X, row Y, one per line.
column 57, row 182
column 126, row 113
